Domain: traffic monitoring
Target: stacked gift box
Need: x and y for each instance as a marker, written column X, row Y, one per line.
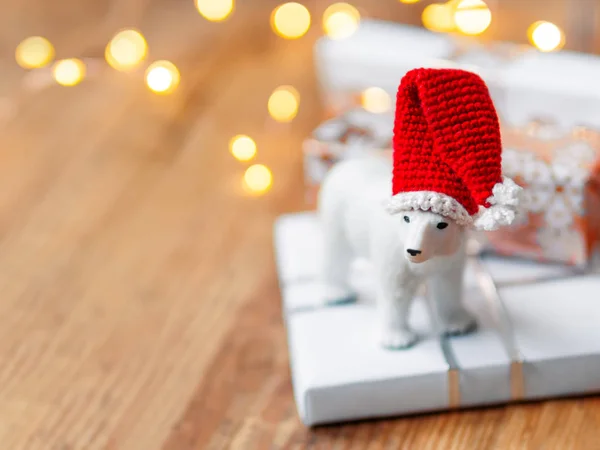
column 524, row 83
column 534, row 286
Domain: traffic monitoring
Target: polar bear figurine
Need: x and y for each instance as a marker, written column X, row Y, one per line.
column 405, row 250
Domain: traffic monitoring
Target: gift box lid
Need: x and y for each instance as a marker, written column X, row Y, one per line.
column 565, row 72
column 347, row 64
column 561, row 86
column 401, row 42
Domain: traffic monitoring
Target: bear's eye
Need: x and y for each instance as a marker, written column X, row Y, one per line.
column 406, row 219
column 442, row 225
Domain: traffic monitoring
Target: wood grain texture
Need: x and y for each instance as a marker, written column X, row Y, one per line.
column 140, row 307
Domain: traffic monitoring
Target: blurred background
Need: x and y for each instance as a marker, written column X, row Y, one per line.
column 146, row 146
column 153, row 45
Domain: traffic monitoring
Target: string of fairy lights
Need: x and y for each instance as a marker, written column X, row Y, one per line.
column 128, row 49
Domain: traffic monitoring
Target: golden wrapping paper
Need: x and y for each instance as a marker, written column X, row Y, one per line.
column 560, row 174
column 354, row 133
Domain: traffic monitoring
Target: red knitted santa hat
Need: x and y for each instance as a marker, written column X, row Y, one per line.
column 447, row 150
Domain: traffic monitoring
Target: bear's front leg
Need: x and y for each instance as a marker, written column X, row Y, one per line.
column 446, row 290
column 394, row 299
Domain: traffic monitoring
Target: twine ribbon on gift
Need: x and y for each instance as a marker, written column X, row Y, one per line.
column 353, row 131
column 453, row 374
column 501, row 319
column 503, row 324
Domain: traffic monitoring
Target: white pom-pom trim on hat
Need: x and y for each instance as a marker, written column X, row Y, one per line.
column 494, row 217
column 507, row 193
column 504, row 202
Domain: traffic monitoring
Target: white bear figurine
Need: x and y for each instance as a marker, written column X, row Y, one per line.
column 405, row 250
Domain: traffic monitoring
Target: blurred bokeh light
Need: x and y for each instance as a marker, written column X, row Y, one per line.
column 215, row 10
column 290, row 20
column 546, row 36
column 439, row 17
column 472, row 17
column 340, row 20
column 242, row 147
column 126, row 50
column 162, row 77
column 34, row 52
column 375, row 100
column 69, row 72
column 258, row 179
column 283, row 103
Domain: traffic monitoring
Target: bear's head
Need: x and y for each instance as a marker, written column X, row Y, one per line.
column 429, row 236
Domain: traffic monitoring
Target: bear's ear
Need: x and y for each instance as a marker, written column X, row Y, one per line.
column 388, row 207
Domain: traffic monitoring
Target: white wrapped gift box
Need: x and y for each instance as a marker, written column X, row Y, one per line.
column 389, row 48
column 561, row 87
column 539, row 339
column 524, row 83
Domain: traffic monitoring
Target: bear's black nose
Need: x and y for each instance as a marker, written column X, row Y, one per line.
column 412, row 252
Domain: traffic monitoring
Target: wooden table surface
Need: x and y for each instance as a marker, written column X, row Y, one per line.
column 140, row 307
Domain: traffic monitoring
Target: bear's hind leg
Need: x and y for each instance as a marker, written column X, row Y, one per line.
column 337, row 261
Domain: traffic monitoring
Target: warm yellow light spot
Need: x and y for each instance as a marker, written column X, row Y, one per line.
column 162, row 77
column 283, row 103
column 408, row 2
column 243, row 148
column 439, row 17
column 290, row 20
column 376, row 100
column 258, row 179
column 126, row 50
column 215, row 10
column 340, row 20
column 68, row 72
column 546, row 36
column 472, row 17
column 34, row 52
